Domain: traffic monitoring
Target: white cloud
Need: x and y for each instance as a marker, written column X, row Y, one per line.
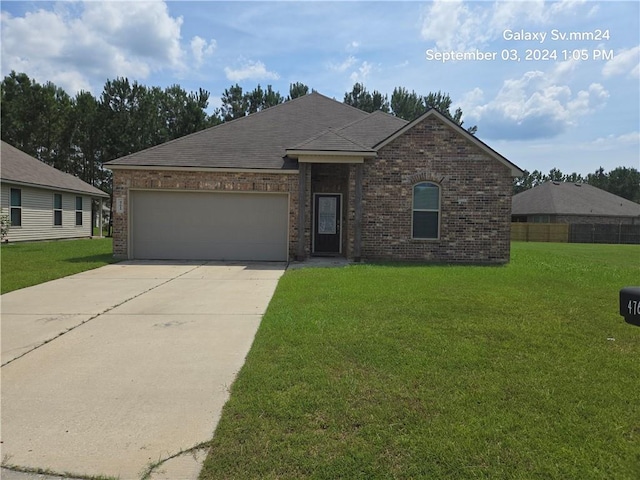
column 142, row 29
column 594, row 11
column 509, row 14
column 616, row 140
column 625, row 62
column 453, row 25
column 77, row 45
column 200, row 49
column 343, row 66
column 360, row 75
column 459, row 25
column 562, row 71
column 353, row 46
column 250, row 70
column 532, row 106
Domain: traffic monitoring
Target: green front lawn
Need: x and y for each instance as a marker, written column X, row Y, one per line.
column 31, row 263
column 522, row 371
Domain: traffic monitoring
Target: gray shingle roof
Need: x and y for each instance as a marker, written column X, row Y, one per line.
column 331, row 141
column 373, row 128
column 561, row 198
column 273, row 138
column 18, row 167
column 259, row 140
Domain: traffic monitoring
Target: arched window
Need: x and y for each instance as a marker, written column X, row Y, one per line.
column 426, row 210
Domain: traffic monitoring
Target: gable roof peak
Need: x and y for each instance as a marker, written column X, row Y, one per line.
column 432, row 112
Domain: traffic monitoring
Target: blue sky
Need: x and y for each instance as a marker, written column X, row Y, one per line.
column 574, row 104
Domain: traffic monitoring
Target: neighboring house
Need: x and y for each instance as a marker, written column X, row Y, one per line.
column 561, row 202
column 314, row 176
column 41, row 202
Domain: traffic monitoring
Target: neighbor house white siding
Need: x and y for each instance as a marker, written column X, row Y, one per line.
column 38, row 216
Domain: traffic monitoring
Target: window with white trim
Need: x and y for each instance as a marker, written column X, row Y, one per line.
column 16, row 207
column 426, row 211
column 57, row 209
column 78, row 211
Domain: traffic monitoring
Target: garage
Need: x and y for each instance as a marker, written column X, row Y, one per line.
column 169, row 225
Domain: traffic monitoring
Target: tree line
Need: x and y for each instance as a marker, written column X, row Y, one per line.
column 79, row 134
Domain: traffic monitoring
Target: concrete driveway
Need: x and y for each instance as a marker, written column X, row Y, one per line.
column 115, row 369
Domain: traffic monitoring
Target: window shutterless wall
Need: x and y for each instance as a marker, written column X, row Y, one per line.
column 15, row 212
column 425, row 222
column 38, row 215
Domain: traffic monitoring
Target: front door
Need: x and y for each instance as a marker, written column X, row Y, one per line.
column 326, row 223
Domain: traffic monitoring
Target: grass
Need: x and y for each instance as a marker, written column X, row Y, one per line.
column 26, row 264
column 381, row 371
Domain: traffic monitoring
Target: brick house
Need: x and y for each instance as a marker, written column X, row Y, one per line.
column 314, row 176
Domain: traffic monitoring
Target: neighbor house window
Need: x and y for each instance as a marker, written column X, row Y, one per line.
column 78, row 211
column 57, row 209
column 16, row 207
column 426, row 210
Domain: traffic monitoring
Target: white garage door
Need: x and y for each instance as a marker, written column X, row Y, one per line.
column 209, row 226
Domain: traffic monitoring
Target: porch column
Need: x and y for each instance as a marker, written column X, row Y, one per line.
column 302, row 202
column 357, row 236
column 100, row 219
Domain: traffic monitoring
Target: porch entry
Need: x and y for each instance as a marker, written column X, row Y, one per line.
column 327, row 220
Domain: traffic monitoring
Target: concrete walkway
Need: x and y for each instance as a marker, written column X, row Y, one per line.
column 113, row 370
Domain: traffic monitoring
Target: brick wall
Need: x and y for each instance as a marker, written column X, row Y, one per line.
column 475, row 198
column 475, row 208
column 124, row 180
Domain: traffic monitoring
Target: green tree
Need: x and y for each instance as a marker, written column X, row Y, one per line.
column 259, row 99
column 360, row 97
column 527, row 180
column 272, row 98
column 405, row 104
column 55, row 128
column 21, row 103
column 598, row 179
column 624, row 182
column 555, row 175
column 36, row 119
column 234, row 103
column 573, row 178
column 87, row 139
column 297, row 90
column 442, row 102
column 183, row 113
column 116, row 105
column 254, row 100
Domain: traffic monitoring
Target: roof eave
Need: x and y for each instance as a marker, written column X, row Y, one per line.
column 174, row 168
column 329, row 153
column 52, row 187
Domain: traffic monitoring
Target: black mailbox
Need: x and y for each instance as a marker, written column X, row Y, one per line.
column 630, row 305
